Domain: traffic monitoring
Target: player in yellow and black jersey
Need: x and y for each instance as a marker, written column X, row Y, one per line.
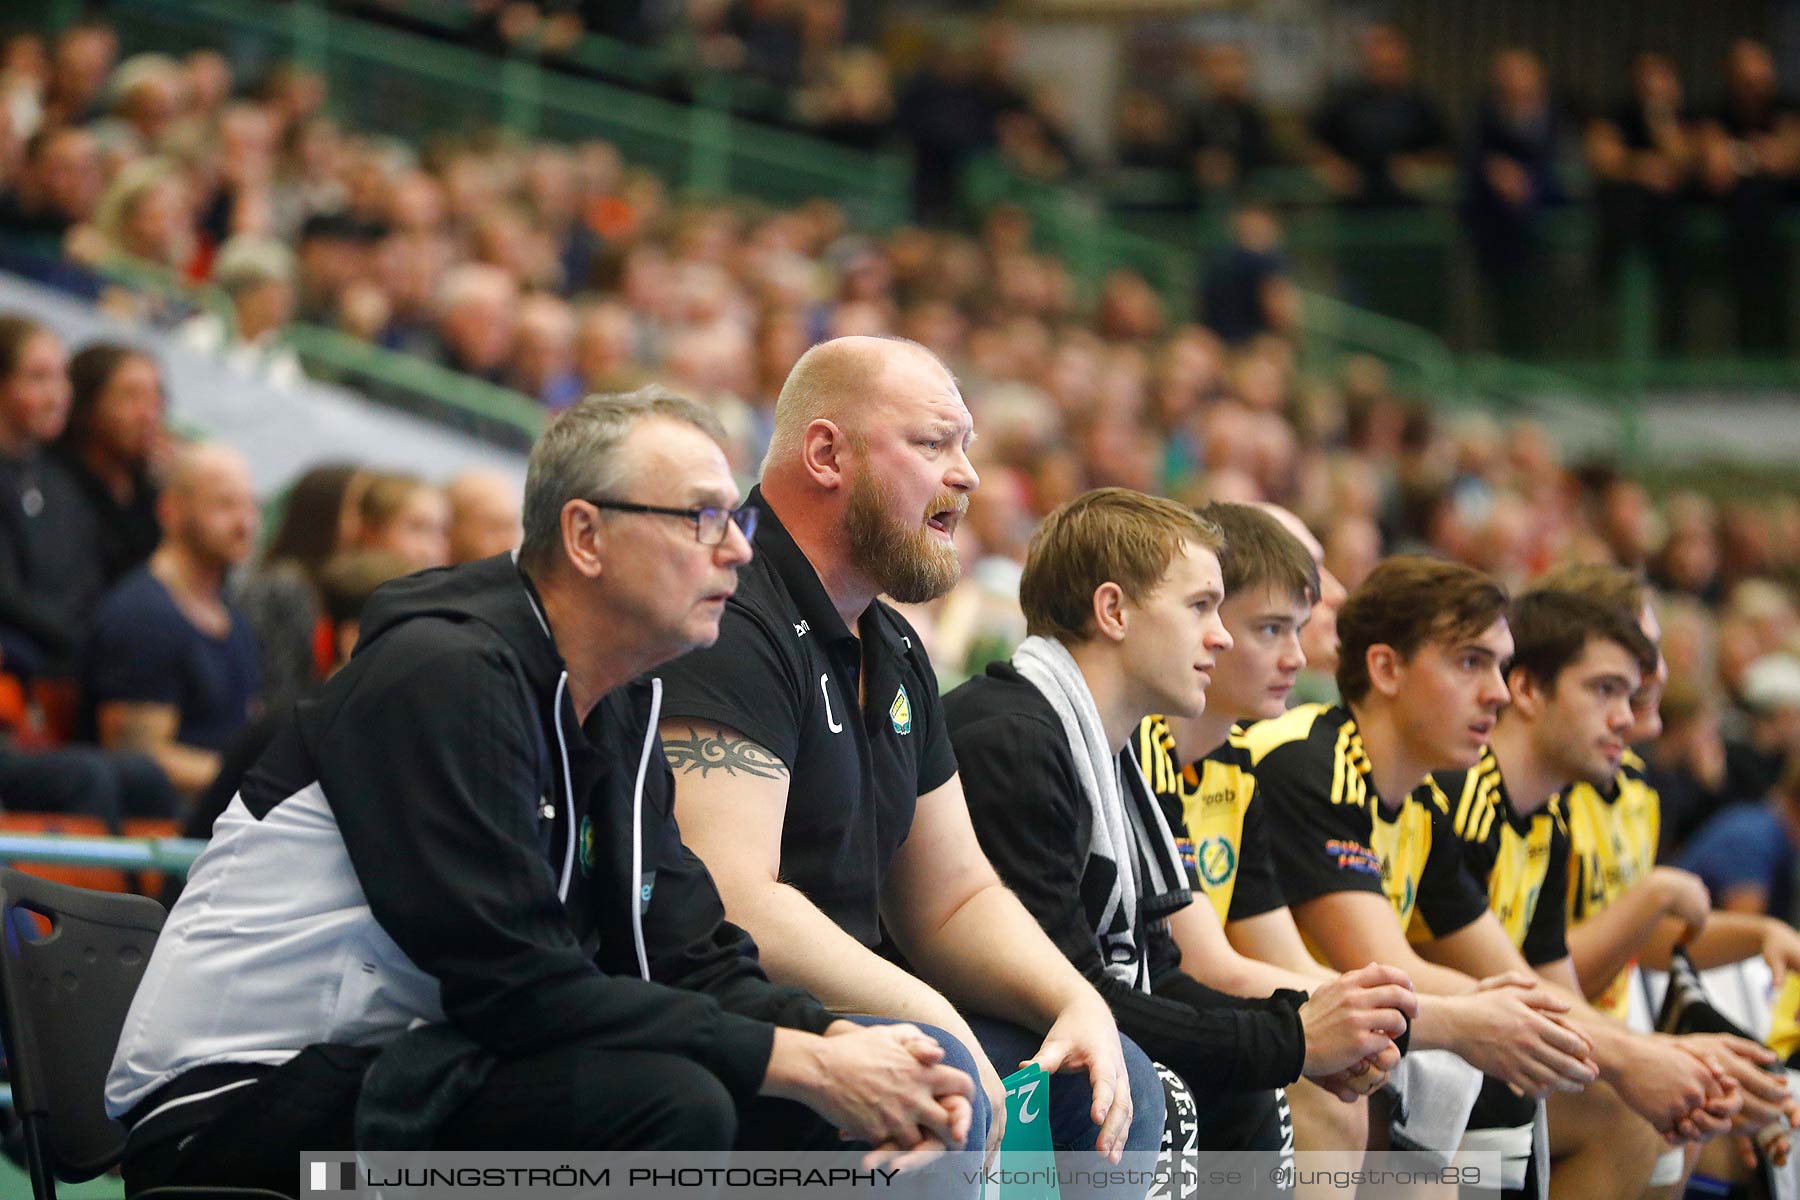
column 1368, row 866
column 1221, row 836
column 1622, row 906
column 1245, row 941
column 1334, row 832
column 1613, row 831
column 1521, row 858
column 1575, row 667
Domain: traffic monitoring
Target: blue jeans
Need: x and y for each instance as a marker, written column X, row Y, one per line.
column 955, row 1055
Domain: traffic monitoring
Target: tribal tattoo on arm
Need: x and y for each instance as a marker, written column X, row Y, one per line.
column 709, row 750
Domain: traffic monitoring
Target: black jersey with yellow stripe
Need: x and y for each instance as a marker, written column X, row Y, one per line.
column 1331, row 831
column 1612, row 845
column 1521, row 861
column 1221, row 833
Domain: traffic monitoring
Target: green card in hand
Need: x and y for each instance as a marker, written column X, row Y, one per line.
column 1026, row 1156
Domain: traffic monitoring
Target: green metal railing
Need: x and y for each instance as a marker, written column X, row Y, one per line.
column 473, row 405
column 417, row 87
column 657, row 69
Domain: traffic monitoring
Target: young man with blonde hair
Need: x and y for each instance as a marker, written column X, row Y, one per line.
column 1121, row 595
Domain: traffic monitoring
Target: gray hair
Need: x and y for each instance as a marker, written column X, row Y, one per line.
column 578, row 458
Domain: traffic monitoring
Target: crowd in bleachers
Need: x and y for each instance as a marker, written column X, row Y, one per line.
column 1203, row 133
column 560, row 270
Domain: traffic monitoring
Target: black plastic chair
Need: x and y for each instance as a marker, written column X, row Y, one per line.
column 63, row 999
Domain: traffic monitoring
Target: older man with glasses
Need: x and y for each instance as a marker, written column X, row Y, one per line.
column 449, row 906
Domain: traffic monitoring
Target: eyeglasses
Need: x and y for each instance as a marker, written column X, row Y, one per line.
column 710, row 520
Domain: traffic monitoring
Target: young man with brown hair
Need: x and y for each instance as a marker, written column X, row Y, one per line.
column 1422, row 644
column 1575, row 666
column 1244, row 942
column 1623, row 908
column 1121, row 595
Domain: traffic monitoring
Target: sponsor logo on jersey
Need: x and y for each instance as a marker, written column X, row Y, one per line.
column 1353, row 856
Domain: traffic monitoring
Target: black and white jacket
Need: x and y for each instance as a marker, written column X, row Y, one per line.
column 435, row 838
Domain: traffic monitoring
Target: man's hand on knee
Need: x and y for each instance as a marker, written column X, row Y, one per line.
column 884, row 1084
column 1085, row 1037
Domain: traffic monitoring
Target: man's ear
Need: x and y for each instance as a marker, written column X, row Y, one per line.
column 583, row 538
column 822, row 449
column 1387, row 670
column 1109, row 612
column 1528, row 695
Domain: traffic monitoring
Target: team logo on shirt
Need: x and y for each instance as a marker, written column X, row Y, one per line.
column 900, row 711
column 587, row 847
column 1215, row 859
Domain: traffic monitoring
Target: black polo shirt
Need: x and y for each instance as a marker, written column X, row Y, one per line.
column 784, row 673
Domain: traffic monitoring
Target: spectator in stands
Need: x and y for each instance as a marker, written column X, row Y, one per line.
column 1248, row 292
column 553, row 197
column 149, row 94
column 476, row 305
column 484, row 515
column 345, row 585
column 308, row 180
column 258, row 276
column 598, row 1015
column 1771, row 695
column 854, row 105
column 241, row 202
column 145, row 216
column 1686, row 763
column 170, row 668
column 1227, row 133
column 405, row 516
column 331, row 253
column 280, row 597
column 1511, row 180
column 1379, row 138
column 115, row 447
column 948, row 116
column 543, row 351
column 51, row 569
column 207, row 74
column 58, row 189
column 1642, row 157
column 1747, row 854
column 1749, row 159
column 606, row 348
column 81, row 63
column 1147, row 137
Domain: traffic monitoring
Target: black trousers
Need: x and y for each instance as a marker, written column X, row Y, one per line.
column 571, row 1098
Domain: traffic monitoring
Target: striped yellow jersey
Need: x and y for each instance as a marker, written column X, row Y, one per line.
column 1518, row 860
column 1331, row 831
column 1612, row 845
column 1220, row 831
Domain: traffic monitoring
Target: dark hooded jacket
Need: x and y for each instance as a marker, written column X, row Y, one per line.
column 435, row 838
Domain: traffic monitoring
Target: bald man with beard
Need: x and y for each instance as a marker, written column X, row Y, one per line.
column 813, row 768
column 484, row 515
